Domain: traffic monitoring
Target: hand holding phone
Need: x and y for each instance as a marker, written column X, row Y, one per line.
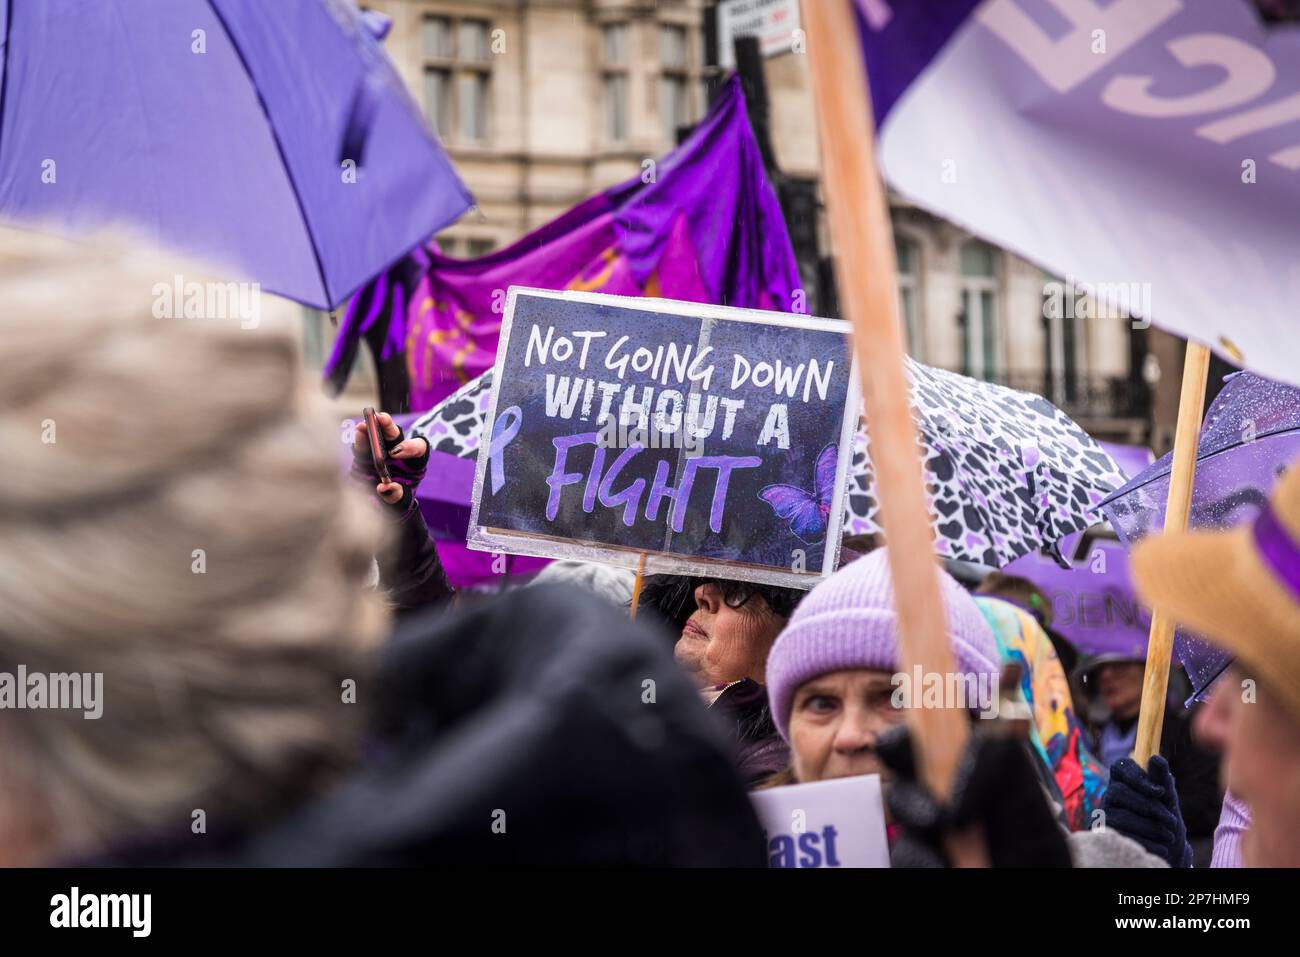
column 377, row 452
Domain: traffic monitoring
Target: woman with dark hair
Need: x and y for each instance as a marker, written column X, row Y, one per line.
column 725, row 630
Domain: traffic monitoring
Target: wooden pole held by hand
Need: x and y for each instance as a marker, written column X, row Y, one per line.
column 864, row 264
column 1160, row 645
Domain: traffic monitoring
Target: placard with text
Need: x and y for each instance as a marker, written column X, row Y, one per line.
column 699, row 436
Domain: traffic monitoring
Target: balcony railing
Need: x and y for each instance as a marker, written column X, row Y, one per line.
column 1084, row 397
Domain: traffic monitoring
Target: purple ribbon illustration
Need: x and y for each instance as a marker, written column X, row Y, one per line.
column 504, row 429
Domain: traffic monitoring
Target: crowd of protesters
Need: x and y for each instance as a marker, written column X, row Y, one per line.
column 317, row 694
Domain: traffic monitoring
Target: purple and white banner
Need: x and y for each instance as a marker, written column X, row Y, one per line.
column 1147, row 150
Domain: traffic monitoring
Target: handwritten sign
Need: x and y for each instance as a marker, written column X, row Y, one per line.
column 836, row 823
column 697, row 435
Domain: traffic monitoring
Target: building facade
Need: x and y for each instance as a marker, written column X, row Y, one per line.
column 541, row 103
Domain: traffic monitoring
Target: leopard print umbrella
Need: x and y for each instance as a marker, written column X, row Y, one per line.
column 1006, row 472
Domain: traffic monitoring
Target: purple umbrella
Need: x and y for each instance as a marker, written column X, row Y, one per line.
column 1093, row 602
column 272, row 139
column 1250, row 436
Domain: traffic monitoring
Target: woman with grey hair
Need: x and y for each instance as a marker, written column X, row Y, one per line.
column 173, row 533
column 183, row 613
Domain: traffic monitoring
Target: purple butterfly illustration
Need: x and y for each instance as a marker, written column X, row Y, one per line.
column 807, row 512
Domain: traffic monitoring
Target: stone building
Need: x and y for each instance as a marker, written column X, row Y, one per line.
column 541, row 103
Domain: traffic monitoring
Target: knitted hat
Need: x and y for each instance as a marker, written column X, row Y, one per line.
column 848, row 621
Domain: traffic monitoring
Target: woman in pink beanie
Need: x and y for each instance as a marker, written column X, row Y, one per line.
column 831, row 674
column 835, row 689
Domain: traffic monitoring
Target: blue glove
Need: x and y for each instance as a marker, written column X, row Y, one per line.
column 1143, row 805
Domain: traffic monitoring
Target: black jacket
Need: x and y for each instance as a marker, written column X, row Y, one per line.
column 541, row 727
column 410, row 573
column 1196, row 774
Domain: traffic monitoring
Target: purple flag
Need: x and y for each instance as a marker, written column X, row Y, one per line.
column 701, row 224
column 1146, row 150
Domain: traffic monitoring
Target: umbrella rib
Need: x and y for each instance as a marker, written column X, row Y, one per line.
column 279, row 148
column 4, row 69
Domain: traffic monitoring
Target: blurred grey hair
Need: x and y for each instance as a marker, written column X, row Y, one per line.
column 172, row 514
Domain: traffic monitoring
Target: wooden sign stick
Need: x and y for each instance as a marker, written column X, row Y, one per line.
column 636, row 584
column 1160, row 645
column 864, row 265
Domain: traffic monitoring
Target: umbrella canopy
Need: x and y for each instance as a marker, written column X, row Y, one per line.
column 1250, row 436
column 1094, row 605
column 1007, row 472
column 273, row 140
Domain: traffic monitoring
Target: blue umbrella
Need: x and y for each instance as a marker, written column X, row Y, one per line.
column 272, row 139
column 1251, row 434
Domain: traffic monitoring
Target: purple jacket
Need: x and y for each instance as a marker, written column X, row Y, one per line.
column 759, row 750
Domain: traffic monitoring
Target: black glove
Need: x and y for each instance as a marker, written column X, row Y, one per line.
column 996, row 789
column 408, row 473
column 1143, row 805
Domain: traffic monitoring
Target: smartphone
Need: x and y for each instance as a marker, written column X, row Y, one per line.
column 373, row 429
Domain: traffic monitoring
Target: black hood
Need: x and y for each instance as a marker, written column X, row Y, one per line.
column 540, row 727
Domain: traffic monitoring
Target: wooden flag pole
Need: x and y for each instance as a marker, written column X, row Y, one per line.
column 865, row 268
column 1160, row 645
column 636, row 584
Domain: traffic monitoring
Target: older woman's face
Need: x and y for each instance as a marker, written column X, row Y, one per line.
column 836, row 721
column 1260, row 739
column 721, row 644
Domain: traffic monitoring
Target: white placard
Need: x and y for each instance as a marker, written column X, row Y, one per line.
column 836, row 823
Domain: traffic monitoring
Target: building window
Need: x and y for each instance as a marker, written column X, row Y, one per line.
column 1061, row 346
column 460, row 247
column 437, row 38
column 908, row 254
column 675, row 81
column 979, row 310
column 473, row 45
column 614, row 65
column 319, row 333
column 457, row 77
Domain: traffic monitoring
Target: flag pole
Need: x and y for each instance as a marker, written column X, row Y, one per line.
column 864, row 266
column 1160, row 645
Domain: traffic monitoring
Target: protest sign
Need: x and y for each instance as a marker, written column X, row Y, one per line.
column 836, row 823
column 699, row 436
